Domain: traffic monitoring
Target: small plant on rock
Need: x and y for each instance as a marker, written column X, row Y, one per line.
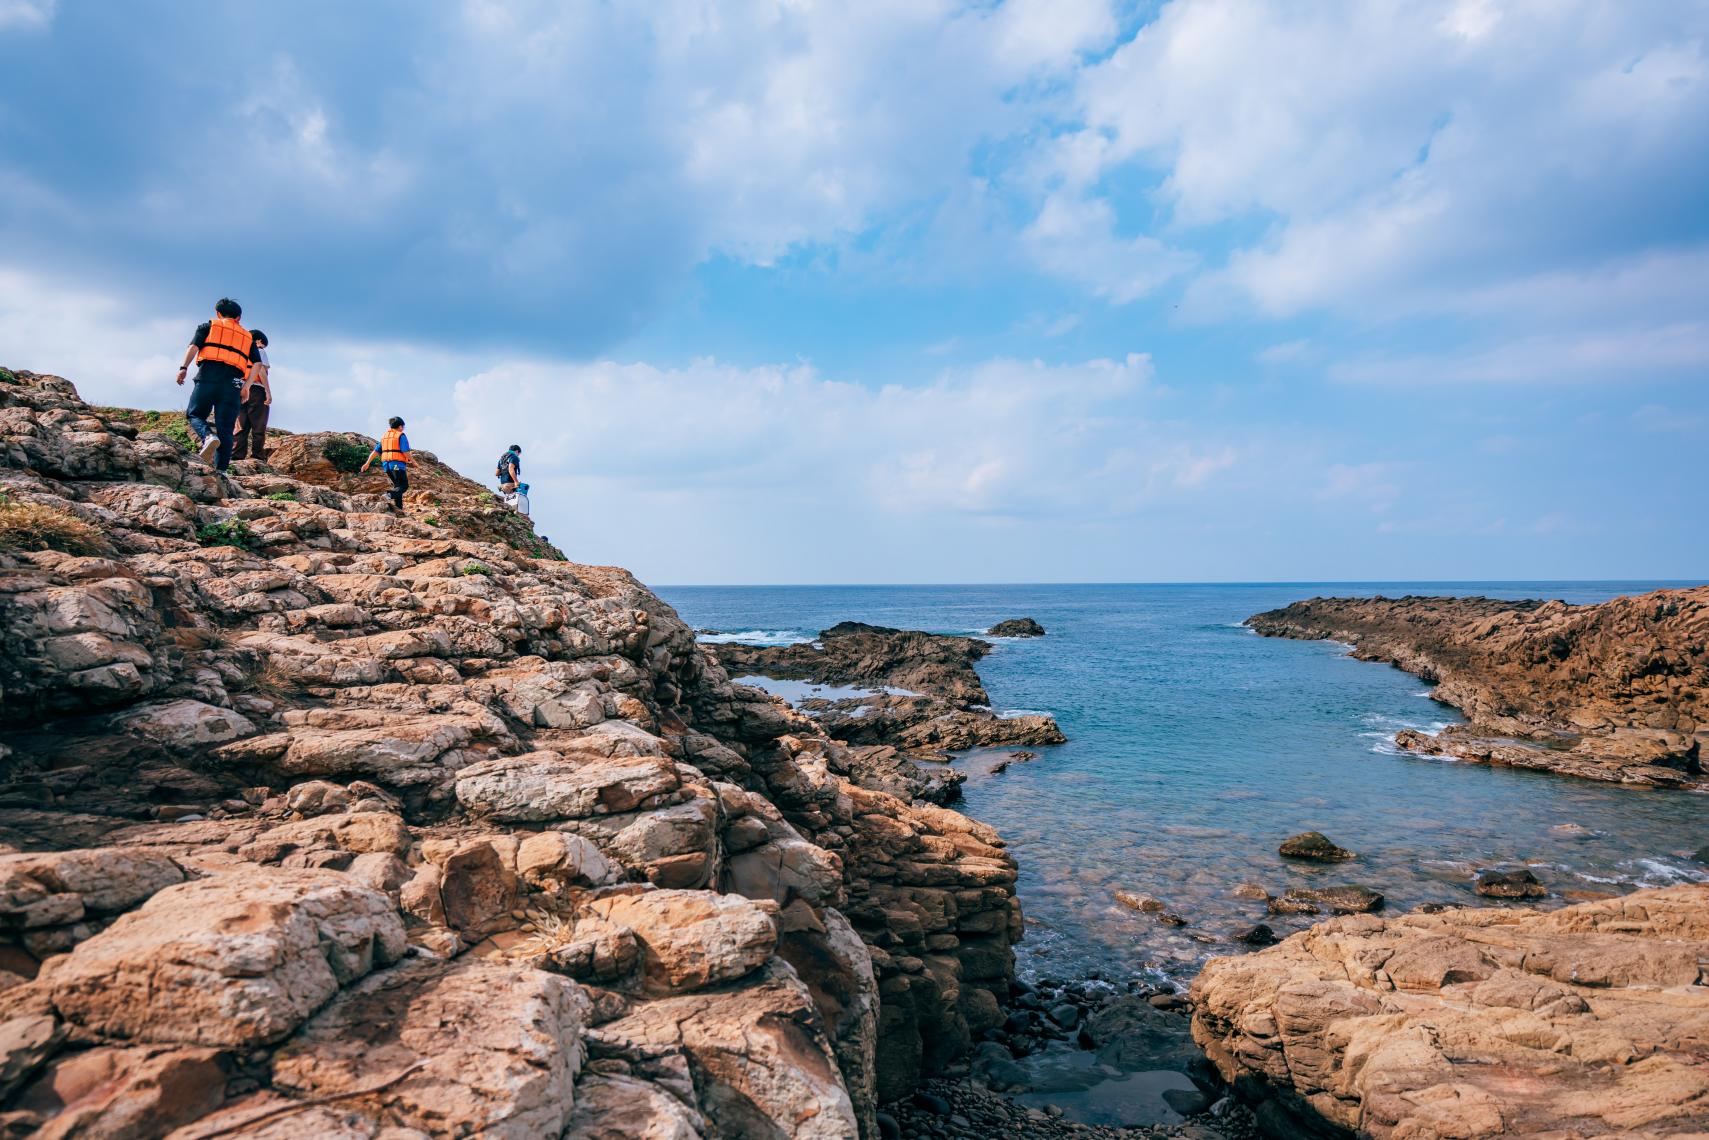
column 31, row 526
column 475, row 568
column 6, row 376
column 430, row 520
column 283, row 497
column 347, row 455
column 232, row 532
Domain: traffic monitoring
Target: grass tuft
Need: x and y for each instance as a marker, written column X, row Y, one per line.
column 31, row 526
column 233, row 532
column 282, row 497
column 346, row 455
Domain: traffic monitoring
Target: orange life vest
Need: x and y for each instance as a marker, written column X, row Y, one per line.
column 228, row 343
column 391, row 447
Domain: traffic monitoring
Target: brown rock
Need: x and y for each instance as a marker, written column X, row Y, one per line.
column 127, row 1092
column 1313, row 846
column 491, row 1049
column 691, row 939
column 1515, row 884
column 235, row 960
column 1582, row 1021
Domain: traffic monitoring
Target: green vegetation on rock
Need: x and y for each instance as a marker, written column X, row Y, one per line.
column 232, row 532
column 347, row 455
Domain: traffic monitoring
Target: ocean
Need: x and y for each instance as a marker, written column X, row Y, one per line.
column 1195, row 747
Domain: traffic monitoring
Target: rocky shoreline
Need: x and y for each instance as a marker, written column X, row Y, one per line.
column 320, row 821
column 917, row 695
column 1616, row 692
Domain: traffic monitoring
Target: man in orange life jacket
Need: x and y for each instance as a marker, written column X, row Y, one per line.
column 223, row 351
column 393, row 450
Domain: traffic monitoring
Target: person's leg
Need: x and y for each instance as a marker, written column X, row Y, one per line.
column 225, row 418
column 240, row 437
column 196, row 411
column 400, row 484
column 258, row 413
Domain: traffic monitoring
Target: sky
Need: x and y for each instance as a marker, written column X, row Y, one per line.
column 920, row 291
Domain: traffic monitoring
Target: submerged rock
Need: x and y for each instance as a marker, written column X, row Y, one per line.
column 1314, row 846
column 1516, row 884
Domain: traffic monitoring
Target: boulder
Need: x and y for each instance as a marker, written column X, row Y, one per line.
column 543, row 786
column 692, row 939
column 235, row 960
column 1016, row 627
column 620, row 1107
column 1470, row 1022
column 1313, row 846
column 490, row 1049
column 1515, row 884
column 761, row 1063
column 144, row 1090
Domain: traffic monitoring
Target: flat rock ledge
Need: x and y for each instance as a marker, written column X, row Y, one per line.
column 1587, row 1021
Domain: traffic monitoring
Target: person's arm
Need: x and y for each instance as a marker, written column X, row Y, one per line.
column 258, row 375
column 369, row 460
column 196, row 342
column 403, row 446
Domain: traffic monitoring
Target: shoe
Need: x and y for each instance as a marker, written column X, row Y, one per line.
column 208, row 448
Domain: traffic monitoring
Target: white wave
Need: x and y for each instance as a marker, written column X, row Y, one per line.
column 1660, row 873
column 1010, row 714
column 755, row 637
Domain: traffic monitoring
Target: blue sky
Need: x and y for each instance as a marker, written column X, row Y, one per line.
column 920, row 291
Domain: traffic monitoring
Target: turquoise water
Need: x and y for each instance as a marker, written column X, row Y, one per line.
column 1195, row 747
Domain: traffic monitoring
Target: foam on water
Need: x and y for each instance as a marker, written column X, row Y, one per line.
column 754, row 637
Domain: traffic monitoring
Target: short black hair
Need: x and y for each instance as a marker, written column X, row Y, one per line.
column 516, row 447
column 260, row 337
column 395, row 421
column 226, row 307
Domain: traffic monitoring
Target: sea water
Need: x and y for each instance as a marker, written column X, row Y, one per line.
column 1195, row 747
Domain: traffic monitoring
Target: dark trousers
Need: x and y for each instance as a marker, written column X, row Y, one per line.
column 399, row 475
column 251, row 438
column 221, row 398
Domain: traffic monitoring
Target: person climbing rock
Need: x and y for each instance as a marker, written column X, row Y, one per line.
column 393, row 450
column 251, row 438
column 510, row 484
column 223, row 351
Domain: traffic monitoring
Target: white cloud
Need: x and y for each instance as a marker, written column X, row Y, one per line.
column 26, row 13
column 1402, row 149
column 1074, row 238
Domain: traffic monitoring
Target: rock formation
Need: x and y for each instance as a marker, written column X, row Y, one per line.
column 1617, row 691
column 1588, row 1021
column 927, row 697
column 320, row 821
column 1016, row 627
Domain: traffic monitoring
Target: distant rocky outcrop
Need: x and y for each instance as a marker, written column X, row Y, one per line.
column 1617, row 692
column 317, row 820
column 1588, row 1021
column 1016, row 627
column 927, row 700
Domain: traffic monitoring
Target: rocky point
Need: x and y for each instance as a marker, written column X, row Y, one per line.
column 319, row 821
column 1617, row 691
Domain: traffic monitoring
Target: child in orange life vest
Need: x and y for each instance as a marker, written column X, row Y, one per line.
column 393, row 450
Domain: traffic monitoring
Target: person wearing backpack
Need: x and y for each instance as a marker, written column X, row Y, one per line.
column 509, row 472
column 393, row 450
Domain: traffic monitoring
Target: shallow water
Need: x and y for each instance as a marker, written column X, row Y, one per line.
column 1195, row 747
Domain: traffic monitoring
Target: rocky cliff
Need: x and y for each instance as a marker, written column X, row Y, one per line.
column 1616, row 692
column 320, row 821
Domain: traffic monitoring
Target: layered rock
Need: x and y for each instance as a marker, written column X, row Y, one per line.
column 925, row 698
column 319, row 820
column 1587, row 1021
column 1616, row 692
